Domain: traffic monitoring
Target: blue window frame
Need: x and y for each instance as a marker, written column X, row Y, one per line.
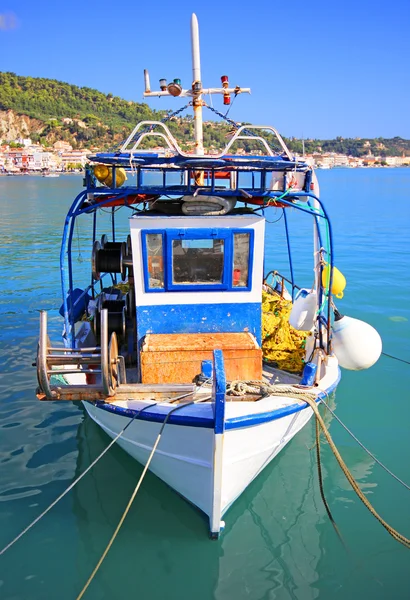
column 197, row 259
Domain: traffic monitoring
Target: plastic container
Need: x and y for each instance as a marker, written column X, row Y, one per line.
column 302, row 316
column 309, row 374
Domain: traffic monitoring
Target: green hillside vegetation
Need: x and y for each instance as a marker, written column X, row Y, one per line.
column 85, row 117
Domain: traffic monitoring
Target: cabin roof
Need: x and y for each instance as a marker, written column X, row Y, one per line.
column 227, row 162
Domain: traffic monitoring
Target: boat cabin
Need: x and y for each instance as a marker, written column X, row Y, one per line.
column 198, row 285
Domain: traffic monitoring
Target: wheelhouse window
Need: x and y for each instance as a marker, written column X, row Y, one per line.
column 155, row 260
column 197, row 259
column 241, row 251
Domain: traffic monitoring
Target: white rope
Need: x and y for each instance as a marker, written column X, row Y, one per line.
column 137, row 487
column 74, row 483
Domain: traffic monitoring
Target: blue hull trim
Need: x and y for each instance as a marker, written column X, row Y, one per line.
column 258, row 419
column 200, row 318
column 174, row 419
column 209, row 423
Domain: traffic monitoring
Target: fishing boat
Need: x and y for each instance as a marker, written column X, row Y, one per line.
column 178, row 331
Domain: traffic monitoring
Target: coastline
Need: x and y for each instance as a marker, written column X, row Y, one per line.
column 71, row 173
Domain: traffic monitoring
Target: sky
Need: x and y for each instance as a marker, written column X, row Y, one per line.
column 317, row 69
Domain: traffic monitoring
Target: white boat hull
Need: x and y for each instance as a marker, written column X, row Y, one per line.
column 191, row 460
column 183, row 458
column 249, row 450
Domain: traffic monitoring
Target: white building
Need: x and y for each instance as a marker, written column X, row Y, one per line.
column 74, row 157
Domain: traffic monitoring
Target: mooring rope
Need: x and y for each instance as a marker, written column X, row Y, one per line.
column 137, row 487
column 383, row 466
column 240, row 388
column 393, row 532
column 396, row 358
column 74, row 483
column 321, row 486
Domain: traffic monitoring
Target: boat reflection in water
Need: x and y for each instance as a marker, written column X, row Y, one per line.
column 272, row 540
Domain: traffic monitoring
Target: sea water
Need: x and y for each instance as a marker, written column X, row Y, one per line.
column 278, row 542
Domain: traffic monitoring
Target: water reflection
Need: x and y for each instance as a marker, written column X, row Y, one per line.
column 272, row 541
column 278, row 542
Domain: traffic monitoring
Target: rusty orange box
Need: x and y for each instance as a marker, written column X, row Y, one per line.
column 177, row 357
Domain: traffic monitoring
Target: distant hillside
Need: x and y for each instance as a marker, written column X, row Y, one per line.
column 396, row 146
column 48, row 110
column 82, row 116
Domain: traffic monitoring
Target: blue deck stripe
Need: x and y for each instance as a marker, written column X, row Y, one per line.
column 174, row 419
column 273, row 415
column 209, row 423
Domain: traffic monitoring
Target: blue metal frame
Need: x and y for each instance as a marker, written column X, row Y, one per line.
column 99, row 196
column 228, row 161
column 289, row 253
column 169, row 235
column 65, row 252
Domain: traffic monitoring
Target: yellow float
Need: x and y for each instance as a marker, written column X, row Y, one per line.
column 338, row 282
column 104, row 175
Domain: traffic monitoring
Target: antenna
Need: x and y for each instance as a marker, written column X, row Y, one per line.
column 146, row 81
column 174, row 88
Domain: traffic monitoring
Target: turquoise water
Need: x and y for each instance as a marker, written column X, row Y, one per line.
column 278, row 542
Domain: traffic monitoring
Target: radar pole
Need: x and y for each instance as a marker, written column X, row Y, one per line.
column 174, row 88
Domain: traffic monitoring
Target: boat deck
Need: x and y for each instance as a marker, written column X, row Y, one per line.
column 162, row 393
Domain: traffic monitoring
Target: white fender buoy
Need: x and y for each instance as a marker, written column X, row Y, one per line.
column 356, row 344
column 302, row 315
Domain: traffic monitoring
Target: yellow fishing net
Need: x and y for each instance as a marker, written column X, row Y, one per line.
column 281, row 344
column 122, row 286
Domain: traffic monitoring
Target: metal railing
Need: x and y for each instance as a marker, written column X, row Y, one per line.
column 172, row 144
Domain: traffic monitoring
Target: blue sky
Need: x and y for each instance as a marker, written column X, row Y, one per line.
column 317, row 69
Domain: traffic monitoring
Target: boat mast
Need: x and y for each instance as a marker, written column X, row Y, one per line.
column 175, row 89
column 197, row 87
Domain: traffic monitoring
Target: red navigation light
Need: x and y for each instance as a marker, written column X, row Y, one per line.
column 227, row 99
column 225, row 81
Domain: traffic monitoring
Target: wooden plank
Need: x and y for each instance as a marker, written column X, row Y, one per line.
column 183, row 366
column 93, row 393
column 136, row 391
column 70, row 396
column 198, row 341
